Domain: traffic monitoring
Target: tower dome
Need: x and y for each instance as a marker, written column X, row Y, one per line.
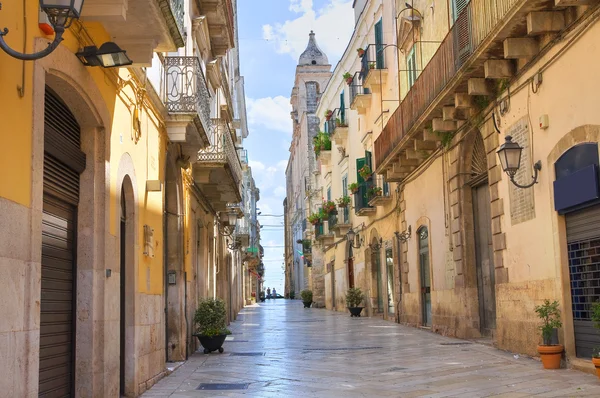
column 313, row 55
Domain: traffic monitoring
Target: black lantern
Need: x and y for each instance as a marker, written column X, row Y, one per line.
column 510, row 159
column 61, row 14
column 352, row 238
column 109, row 55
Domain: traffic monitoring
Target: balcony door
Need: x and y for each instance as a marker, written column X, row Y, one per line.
column 461, row 17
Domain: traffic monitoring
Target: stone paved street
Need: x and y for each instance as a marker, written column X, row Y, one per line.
column 280, row 349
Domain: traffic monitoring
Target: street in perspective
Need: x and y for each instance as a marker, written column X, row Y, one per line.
column 304, row 198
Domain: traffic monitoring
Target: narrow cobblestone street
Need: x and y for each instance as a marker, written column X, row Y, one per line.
column 280, row 349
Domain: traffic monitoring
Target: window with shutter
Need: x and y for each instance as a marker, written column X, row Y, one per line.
column 379, row 45
column 345, row 185
column 360, row 162
column 457, row 7
column 368, row 160
column 328, row 193
column 411, row 66
column 342, row 108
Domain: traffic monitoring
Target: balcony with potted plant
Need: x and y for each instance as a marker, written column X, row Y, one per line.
column 379, row 193
column 338, row 126
column 322, row 148
column 373, row 67
column 342, row 225
column 360, row 96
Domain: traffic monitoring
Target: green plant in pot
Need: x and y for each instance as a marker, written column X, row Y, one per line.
column 374, row 191
column 211, row 322
column 596, row 320
column 550, row 316
column 307, row 297
column 343, row 202
column 348, row 78
column 354, row 187
column 292, row 295
column 354, row 298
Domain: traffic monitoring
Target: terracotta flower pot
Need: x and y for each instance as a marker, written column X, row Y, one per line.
column 550, row 355
column 350, row 80
column 596, row 362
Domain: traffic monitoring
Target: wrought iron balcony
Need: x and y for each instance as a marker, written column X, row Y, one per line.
column 337, row 121
column 187, row 99
column 379, row 194
column 360, row 96
column 483, row 31
column 218, row 171
column 177, row 10
column 373, row 66
column 332, row 221
column 361, row 199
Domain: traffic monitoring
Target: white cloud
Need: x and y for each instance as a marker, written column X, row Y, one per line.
column 279, row 192
column 272, row 113
column 333, row 25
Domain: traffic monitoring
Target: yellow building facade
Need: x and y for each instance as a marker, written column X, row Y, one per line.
column 111, row 229
column 455, row 243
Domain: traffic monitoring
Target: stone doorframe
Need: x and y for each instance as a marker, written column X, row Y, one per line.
column 579, row 135
column 96, row 361
column 127, row 183
column 460, row 159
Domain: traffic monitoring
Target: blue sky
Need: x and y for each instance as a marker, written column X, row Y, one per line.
column 272, row 34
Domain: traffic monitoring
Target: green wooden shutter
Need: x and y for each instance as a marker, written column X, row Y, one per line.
column 345, row 185
column 342, row 108
column 328, row 193
column 360, row 162
column 379, row 44
column 368, row 160
column 457, row 7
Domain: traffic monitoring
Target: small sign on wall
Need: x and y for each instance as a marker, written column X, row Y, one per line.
column 148, row 241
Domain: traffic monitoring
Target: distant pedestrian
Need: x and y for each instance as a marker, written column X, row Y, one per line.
column 274, row 293
column 268, row 292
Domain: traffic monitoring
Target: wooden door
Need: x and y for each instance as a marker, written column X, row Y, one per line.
column 425, row 274
column 484, row 257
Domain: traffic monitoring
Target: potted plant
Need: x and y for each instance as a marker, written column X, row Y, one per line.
column 343, row 202
column 360, row 51
column 354, row 187
column 328, row 114
column 292, row 295
column 307, row 297
column 365, row 172
column 210, row 319
column 261, row 296
column 374, row 191
column 315, row 218
column 596, row 320
column 550, row 316
column 329, row 207
column 348, row 78
column 354, row 297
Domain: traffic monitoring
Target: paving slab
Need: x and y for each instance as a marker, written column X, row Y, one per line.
column 281, row 349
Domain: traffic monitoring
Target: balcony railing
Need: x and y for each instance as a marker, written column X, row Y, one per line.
column 356, row 88
column 373, row 59
column 338, row 119
column 186, row 90
column 319, row 230
column 221, row 149
column 177, row 8
column 474, row 24
column 361, row 198
column 331, row 221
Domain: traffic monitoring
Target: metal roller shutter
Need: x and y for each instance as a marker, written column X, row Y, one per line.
column 63, row 161
column 583, row 240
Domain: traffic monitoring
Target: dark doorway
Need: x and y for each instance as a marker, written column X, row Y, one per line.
column 425, row 275
column 123, row 278
column 350, row 265
column 376, row 278
column 484, row 258
column 63, row 163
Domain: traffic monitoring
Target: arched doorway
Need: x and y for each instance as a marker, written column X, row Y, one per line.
column 484, row 251
column 576, row 197
column 127, row 289
column 376, row 277
column 175, row 284
column 63, row 163
column 425, row 275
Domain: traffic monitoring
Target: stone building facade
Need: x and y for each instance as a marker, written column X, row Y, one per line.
column 452, row 242
column 112, row 224
column 312, row 74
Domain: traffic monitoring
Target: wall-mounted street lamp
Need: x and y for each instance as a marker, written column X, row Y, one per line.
column 354, row 239
column 377, row 245
column 235, row 244
column 226, row 224
column 510, row 159
column 403, row 236
column 61, row 14
column 109, row 55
